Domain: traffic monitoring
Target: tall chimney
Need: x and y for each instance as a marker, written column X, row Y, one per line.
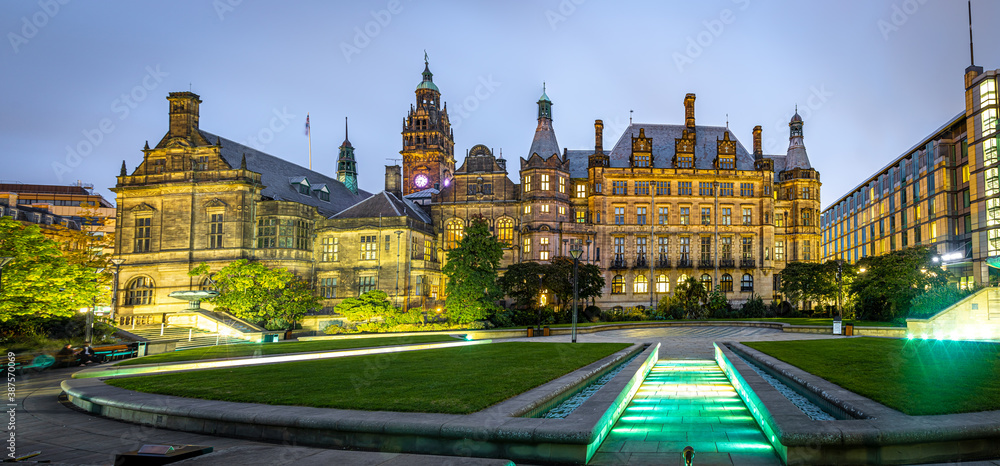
column 599, row 136
column 689, row 111
column 757, row 147
column 394, row 180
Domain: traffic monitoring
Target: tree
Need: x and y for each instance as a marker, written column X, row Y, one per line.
column 41, row 281
column 692, row 297
column 808, row 281
column 472, row 275
column 252, row 291
column 891, row 282
column 90, row 249
column 520, row 282
column 559, row 280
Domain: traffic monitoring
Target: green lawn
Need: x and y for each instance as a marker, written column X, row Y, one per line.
column 448, row 380
column 787, row 320
column 917, row 377
column 250, row 349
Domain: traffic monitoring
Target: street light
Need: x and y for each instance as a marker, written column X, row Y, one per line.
column 3, row 261
column 576, row 286
column 114, row 288
column 540, row 296
column 398, row 232
column 840, row 290
column 88, row 337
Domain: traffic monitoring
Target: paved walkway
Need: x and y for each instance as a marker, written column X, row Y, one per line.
column 65, row 435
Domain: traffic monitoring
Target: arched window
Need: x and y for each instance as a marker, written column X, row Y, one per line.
column 727, row 283
column 139, row 291
column 208, row 285
column 505, row 230
column 746, row 284
column 706, row 282
column 681, row 279
column 640, row 285
column 618, row 285
column 662, row 284
column 453, row 233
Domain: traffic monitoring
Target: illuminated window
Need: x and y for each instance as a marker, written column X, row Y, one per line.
column 581, row 191
column 505, row 231
column 543, row 249
column 527, row 245
column 989, row 151
column 706, row 282
column 331, row 250
column 428, row 250
column 545, row 208
column 779, row 250
column 685, row 250
column 562, row 210
column 581, row 216
column 527, row 183
column 965, row 175
column 545, row 182
column 369, row 248
column 662, row 284
column 328, row 288
column 527, row 210
column 562, row 184
column 640, row 285
column 988, row 92
column 994, row 242
column 992, row 212
column 726, row 283
column 779, row 219
column 139, row 291
column 681, row 279
column 618, row 285
column 453, row 233
column 989, row 121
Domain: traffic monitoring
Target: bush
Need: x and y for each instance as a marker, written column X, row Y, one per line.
column 754, row 308
column 936, row 300
column 592, row 314
column 334, row 329
column 718, row 306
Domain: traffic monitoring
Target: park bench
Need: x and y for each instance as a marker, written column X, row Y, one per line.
column 115, row 352
column 24, row 362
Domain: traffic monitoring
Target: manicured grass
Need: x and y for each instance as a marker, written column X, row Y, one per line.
column 264, row 349
column 448, row 380
column 917, row 377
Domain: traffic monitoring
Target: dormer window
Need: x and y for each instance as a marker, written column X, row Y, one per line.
column 322, row 192
column 685, row 162
column 726, row 163
column 301, row 184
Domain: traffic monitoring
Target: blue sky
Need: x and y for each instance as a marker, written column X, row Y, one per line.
column 870, row 77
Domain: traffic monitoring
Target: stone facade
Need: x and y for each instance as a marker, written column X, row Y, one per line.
column 665, row 202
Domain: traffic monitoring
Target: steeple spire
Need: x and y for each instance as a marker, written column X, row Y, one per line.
column 544, row 143
column 347, row 167
column 347, row 140
column 796, row 156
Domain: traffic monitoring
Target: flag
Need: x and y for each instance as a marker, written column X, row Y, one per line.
column 307, row 124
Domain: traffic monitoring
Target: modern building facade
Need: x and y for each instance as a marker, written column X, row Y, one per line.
column 944, row 192
column 666, row 202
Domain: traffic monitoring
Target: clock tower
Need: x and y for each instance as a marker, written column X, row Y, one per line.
column 428, row 143
column 347, row 167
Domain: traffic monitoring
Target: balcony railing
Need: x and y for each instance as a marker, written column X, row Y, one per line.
column 618, row 264
column 663, row 263
column 727, row 263
column 747, row 263
column 684, row 262
column 640, row 263
column 706, row 264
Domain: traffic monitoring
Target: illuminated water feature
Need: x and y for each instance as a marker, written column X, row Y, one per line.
column 687, row 403
column 809, row 408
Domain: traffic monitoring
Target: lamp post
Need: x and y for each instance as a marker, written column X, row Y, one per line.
column 89, row 335
column 840, row 290
column 540, row 296
column 576, row 283
column 114, row 288
column 3, row 262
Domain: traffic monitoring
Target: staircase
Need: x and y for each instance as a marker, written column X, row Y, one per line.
column 186, row 337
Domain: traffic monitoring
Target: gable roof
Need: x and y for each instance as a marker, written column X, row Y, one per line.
column 277, row 175
column 663, row 146
column 384, row 204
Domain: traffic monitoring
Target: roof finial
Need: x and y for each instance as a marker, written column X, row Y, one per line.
column 630, row 117
column 972, row 55
column 727, row 122
column 425, row 57
column 543, row 87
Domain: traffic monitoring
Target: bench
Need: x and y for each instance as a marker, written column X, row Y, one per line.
column 115, row 352
column 24, row 362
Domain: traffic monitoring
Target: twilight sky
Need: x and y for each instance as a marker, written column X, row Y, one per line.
column 84, row 83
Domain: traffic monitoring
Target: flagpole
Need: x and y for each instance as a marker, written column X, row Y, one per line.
column 310, row 133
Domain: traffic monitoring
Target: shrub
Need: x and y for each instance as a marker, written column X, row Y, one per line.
column 592, row 314
column 754, row 308
column 936, row 300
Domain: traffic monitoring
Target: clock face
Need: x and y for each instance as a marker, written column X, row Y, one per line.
column 420, row 181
